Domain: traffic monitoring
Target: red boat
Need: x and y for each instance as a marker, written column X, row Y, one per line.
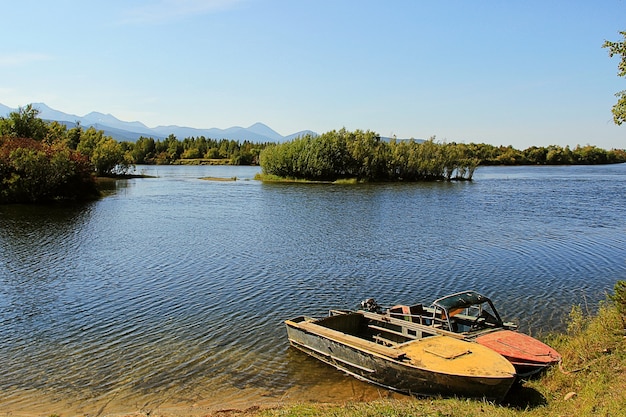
column 527, row 354
column 472, row 316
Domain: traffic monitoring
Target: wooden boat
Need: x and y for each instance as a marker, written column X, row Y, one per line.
column 474, row 317
column 402, row 356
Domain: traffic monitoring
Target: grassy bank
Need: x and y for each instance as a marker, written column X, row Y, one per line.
column 202, row 161
column 278, row 179
column 590, row 382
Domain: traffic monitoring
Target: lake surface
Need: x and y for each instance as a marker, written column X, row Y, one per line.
column 172, row 291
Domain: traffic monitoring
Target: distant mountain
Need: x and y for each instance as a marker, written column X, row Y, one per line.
column 131, row 131
column 4, row 110
column 48, row 113
column 300, row 133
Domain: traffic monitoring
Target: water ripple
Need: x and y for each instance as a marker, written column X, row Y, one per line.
column 174, row 290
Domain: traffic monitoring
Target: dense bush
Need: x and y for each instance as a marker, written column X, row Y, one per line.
column 364, row 156
column 44, row 161
column 32, row 171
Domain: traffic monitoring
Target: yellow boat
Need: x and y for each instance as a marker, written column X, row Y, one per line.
column 395, row 355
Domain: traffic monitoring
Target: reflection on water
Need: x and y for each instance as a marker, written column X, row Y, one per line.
column 171, row 291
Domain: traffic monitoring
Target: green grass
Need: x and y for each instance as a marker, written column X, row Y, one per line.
column 278, row 179
column 202, row 161
column 590, row 382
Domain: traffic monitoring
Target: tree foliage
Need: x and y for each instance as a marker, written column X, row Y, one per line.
column 24, row 123
column 105, row 153
column 171, row 150
column 550, row 155
column 619, row 48
column 44, row 161
column 363, row 155
column 33, row 171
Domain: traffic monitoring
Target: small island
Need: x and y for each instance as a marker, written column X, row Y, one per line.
column 219, row 179
column 362, row 156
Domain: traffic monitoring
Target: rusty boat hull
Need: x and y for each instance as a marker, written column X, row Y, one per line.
column 427, row 364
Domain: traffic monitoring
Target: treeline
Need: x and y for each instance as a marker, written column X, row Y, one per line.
column 551, row 155
column 44, row 161
column 171, row 150
column 363, row 156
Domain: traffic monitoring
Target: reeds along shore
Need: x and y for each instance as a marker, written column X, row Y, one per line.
column 364, row 156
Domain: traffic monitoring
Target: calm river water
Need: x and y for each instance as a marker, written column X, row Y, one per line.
column 171, row 291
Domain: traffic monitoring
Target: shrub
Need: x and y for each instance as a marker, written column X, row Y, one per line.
column 32, row 171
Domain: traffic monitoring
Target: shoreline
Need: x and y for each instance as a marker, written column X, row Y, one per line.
column 192, row 401
column 591, row 381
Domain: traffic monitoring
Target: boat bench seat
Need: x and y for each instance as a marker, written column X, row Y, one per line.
column 352, row 341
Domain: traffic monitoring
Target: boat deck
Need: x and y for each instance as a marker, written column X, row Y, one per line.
column 351, row 340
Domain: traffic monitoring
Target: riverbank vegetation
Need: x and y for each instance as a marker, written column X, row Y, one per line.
column 32, row 172
column 590, row 382
column 194, row 151
column 365, row 156
column 205, row 151
column 550, row 155
column 48, row 161
column 38, row 162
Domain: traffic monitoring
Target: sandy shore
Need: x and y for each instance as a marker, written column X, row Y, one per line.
column 201, row 401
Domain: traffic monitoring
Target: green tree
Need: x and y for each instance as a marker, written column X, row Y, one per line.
column 509, row 156
column 559, row 156
column 89, row 139
column 73, row 136
column 589, row 155
column 106, row 154
column 55, row 133
column 108, row 158
column 619, row 48
column 143, row 151
column 398, row 164
column 24, row 123
column 191, row 153
column 174, row 147
column 368, row 155
column 212, row 153
column 535, row 155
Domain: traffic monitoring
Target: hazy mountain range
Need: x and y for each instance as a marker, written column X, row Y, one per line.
column 131, row 131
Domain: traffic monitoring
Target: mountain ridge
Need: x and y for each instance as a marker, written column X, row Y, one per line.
column 131, row 131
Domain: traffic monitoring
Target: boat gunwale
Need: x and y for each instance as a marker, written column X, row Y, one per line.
column 404, row 363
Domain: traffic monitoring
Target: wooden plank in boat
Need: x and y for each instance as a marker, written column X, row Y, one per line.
column 411, row 325
column 351, row 340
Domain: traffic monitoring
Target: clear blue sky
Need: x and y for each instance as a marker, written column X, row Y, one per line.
column 518, row 73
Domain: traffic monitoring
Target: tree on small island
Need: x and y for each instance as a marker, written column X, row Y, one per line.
column 363, row 156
